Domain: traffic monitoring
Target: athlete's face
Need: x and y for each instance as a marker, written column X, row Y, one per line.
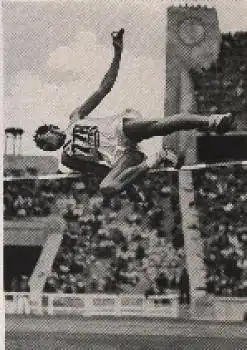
column 52, row 140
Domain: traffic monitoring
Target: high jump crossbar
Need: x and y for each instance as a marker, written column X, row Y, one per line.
column 165, row 169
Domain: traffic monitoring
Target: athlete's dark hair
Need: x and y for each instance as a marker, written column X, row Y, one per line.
column 42, row 130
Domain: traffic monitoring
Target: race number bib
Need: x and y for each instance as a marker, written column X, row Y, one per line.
column 85, row 138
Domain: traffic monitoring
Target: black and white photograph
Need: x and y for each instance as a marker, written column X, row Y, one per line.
column 124, row 147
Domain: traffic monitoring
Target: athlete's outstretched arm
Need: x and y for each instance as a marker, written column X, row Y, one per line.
column 108, row 81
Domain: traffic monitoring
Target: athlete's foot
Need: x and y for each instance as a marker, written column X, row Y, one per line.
column 221, row 123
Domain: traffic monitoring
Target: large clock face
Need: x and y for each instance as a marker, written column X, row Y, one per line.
column 191, row 31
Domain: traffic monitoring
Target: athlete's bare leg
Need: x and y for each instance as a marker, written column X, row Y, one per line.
column 133, row 163
column 138, row 130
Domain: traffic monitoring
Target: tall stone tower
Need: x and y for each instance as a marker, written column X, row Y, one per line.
column 193, row 41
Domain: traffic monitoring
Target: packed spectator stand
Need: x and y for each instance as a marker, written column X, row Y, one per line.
column 118, row 245
column 221, row 199
column 125, row 243
column 221, row 193
column 223, row 88
column 24, row 199
column 134, row 242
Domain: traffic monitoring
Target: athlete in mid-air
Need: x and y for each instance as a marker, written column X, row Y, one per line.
column 111, row 145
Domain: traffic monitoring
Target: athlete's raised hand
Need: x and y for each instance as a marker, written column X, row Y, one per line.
column 117, row 39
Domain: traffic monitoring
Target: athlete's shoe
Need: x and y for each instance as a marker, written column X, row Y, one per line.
column 221, row 123
column 125, row 171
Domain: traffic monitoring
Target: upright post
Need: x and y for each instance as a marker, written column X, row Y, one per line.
column 193, row 41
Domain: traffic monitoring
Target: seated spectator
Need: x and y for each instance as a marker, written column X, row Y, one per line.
column 110, row 285
column 184, row 287
column 161, row 283
column 94, row 284
column 178, row 239
column 151, row 291
column 140, row 253
column 70, row 238
column 19, row 203
column 15, row 284
column 36, row 207
column 78, row 265
column 218, row 193
column 21, row 212
column 24, row 284
column 52, row 282
column 243, row 288
column 80, row 287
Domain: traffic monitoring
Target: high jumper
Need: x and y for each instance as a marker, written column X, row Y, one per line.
column 111, row 145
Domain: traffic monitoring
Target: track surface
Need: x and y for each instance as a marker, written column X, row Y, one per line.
column 119, row 334
column 58, row 341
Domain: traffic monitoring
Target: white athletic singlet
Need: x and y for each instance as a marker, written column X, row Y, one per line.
column 112, row 138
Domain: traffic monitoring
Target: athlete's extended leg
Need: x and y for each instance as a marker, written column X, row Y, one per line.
column 138, row 130
column 132, row 162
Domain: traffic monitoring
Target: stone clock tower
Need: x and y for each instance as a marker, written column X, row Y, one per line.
column 193, row 41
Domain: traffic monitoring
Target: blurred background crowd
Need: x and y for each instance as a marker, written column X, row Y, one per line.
column 26, row 199
column 223, row 88
column 221, row 199
column 120, row 244
column 133, row 243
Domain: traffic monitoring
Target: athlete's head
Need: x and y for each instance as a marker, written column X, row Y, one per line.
column 49, row 137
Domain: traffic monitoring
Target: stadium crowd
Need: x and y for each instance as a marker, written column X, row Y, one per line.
column 120, row 244
column 221, row 197
column 223, row 88
column 25, row 198
column 115, row 245
column 221, row 194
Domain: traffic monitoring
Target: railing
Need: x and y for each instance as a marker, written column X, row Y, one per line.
column 92, row 304
column 231, row 308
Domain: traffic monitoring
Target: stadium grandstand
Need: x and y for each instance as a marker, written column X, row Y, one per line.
column 116, row 245
column 177, row 236
column 123, row 237
column 223, row 87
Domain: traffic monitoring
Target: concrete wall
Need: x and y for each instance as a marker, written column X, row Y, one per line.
column 44, row 165
column 31, row 231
